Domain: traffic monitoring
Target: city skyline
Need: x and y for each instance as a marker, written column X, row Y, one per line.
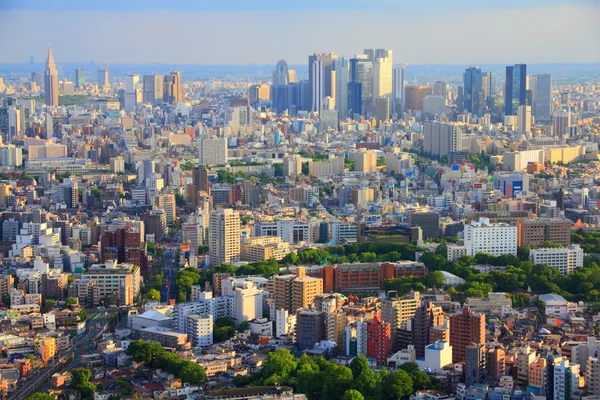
column 307, row 28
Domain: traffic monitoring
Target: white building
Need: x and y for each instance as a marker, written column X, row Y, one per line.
column 261, row 327
column 285, row 323
column 403, row 356
column 524, row 119
column 566, row 380
column 247, row 300
column 199, row 329
column 212, row 151
column 218, row 307
column 437, row 356
column 495, row 239
column 289, row 231
column 455, row 251
column 565, row 259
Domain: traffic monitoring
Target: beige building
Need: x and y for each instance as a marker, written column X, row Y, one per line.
column 333, row 166
column 167, row 203
column 264, row 248
column 398, row 311
column 365, row 160
column 361, row 196
column 115, row 279
column 283, row 291
column 224, row 238
column 305, row 289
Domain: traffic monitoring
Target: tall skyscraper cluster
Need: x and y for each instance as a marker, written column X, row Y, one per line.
column 364, row 85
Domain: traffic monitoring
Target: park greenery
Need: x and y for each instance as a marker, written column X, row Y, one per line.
column 519, row 279
column 318, row 378
column 154, row 355
column 67, row 100
column 39, row 396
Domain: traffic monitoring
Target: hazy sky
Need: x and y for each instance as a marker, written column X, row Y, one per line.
column 264, row 31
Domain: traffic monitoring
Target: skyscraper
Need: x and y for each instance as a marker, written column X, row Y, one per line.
column 51, row 81
column 399, row 79
column 281, row 74
column 382, row 73
column 524, row 119
column 342, row 76
column 153, row 89
column 317, row 85
column 133, row 93
column 326, row 75
column 102, row 79
column 515, row 91
column 172, row 90
column 472, row 84
column 542, row 109
column 414, row 96
column 361, row 71
column 80, row 78
column 224, row 247
column 466, row 328
column 354, row 98
column 382, row 109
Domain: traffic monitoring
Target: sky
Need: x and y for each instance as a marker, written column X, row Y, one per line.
column 241, row 32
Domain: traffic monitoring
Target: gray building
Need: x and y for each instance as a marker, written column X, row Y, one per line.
column 310, row 328
column 441, row 139
column 475, row 364
column 428, row 221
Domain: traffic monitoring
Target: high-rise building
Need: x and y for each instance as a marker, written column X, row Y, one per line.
column 212, row 151
column 566, row 380
column 153, row 89
column 382, row 109
column 80, row 78
column 14, row 122
column 305, row 289
column 472, row 85
column 485, row 237
column 399, row 82
column 354, row 98
column 317, row 85
column 247, row 302
column 342, row 76
column 283, row 291
column 361, row 71
column 310, row 328
column 325, row 76
column 379, row 342
column 51, row 81
column 515, row 90
column 496, row 362
column 542, row 110
column 426, row 317
column 565, row 259
column 414, row 96
column 382, row 74
column 172, row 90
column 561, row 121
column 133, row 92
column 281, row 74
column 475, row 364
column 224, row 236
column 524, row 119
column 441, row 139
column 103, row 79
column 440, row 88
column 365, row 160
column 466, row 328
column 592, row 376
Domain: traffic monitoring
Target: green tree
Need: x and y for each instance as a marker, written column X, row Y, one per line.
column 153, row 295
column 397, row 385
column 40, row 396
column 338, row 377
column 71, row 301
column 280, row 362
column 352, row 394
column 434, row 279
column 358, row 365
column 242, row 326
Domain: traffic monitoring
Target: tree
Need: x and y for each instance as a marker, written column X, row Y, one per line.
column 40, row 396
column 358, row 365
column 71, row 301
column 242, row 326
column 153, row 295
column 397, row 384
column 81, row 376
column 352, row 394
column 338, row 378
column 435, row 279
column 280, row 362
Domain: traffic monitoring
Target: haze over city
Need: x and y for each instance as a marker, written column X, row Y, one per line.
column 243, row 32
column 299, row 200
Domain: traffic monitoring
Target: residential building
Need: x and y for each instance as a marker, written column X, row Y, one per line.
column 495, row 239
column 565, row 259
column 224, row 237
column 466, row 328
column 379, row 342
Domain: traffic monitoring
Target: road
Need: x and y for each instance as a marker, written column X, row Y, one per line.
column 66, row 359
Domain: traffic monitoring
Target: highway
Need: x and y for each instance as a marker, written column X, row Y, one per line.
column 67, row 359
